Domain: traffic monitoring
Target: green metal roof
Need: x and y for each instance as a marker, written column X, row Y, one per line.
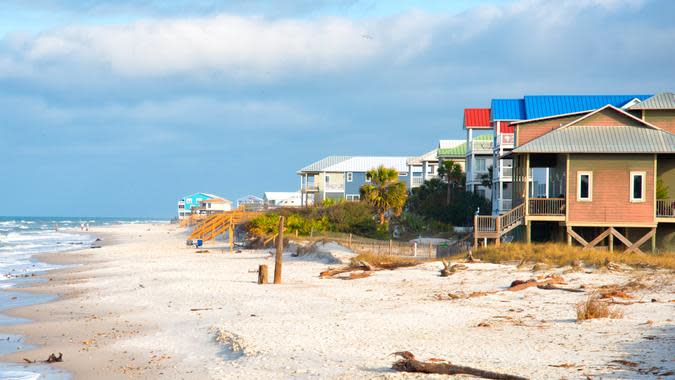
column 458, row 151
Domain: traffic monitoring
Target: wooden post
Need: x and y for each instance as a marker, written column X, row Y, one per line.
column 415, row 249
column 262, row 274
column 431, row 250
column 280, row 252
column 350, row 241
column 230, row 233
column 390, row 247
column 498, row 229
column 475, row 231
column 654, row 240
column 611, row 242
column 528, row 231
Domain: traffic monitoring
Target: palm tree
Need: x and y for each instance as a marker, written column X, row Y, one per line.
column 453, row 175
column 385, row 193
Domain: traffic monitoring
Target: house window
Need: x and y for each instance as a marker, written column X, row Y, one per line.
column 353, row 197
column 585, row 186
column 350, row 176
column 480, row 165
column 430, row 169
column 637, row 186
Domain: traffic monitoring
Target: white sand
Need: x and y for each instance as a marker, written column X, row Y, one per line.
column 314, row 328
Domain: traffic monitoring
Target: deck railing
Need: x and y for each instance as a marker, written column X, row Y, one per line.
column 486, row 224
column 547, row 206
column 481, row 145
column 505, row 139
column 514, row 216
column 505, row 205
column 665, row 208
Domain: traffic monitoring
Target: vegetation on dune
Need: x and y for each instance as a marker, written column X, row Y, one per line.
column 384, row 192
column 348, row 217
column 561, row 254
column 593, row 307
column 454, row 178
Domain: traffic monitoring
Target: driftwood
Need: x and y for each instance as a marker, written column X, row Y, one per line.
column 553, row 287
column 549, row 280
column 408, row 363
column 51, row 359
column 450, row 269
column 358, row 266
column 263, row 277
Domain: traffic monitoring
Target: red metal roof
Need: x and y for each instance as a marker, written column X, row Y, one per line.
column 477, row 118
column 505, row 127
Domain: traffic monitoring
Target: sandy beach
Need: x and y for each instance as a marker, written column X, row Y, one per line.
column 146, row 306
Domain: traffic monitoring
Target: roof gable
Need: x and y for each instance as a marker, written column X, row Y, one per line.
column 662, row 101
column 609, row 116
column 324, row 163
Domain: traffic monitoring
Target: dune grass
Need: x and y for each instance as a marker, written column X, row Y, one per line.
column 561, row 254
column 386, row 261
column 593, row 308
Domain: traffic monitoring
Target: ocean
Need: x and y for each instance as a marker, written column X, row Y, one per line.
column 20, row 239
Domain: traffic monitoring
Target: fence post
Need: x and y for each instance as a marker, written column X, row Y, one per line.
column 430, row 249
column 262, row 274
column 415, row 249
column 390, row 247
column 350, row 241
column 280, row 252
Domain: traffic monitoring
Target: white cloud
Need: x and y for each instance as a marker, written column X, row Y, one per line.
column 239, row 47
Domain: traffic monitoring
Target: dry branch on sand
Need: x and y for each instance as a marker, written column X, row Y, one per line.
column 552, row 279
column 450, row 269
column 51, row 359
column 369, row 263
column 408, row 363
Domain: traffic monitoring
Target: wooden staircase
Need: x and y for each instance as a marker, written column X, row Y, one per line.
column 217, row 224
column 494, row 227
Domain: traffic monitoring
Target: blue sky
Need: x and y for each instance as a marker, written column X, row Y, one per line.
column 118, row 108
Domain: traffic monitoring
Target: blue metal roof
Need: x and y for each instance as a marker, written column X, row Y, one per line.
column 507, row 109
column 549, row 105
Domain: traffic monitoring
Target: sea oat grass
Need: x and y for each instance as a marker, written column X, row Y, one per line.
column 561, row 255
column 593, row 308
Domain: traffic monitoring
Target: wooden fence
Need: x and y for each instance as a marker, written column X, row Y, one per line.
column 360, row 244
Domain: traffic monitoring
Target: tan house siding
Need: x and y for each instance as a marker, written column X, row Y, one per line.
column 529, row 131
column 664, row 119
column 609, row 117
column 611, row 190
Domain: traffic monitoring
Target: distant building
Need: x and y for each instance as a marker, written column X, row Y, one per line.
column 189, row 202
column 213, row 206
column 452, row 150
column 251, row 203
column 341, row 177
column 274, row 199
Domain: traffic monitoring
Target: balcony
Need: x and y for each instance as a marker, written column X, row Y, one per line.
column 334, row 187
column 309, row 188
column 547, row 207
column 417, row 181
column 665, row 208
column 504, row 173
column 481, row 147
column 505, row 141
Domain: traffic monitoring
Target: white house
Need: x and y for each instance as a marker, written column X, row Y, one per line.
column 214, row 206
column 274, row 199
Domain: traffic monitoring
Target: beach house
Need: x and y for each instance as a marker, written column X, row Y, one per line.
column 273, row 199
column 190, row 202
column 479, row 145
column 251, row 203
column 212, row 206
column 610, row 180
column 452, row 150
column 505, row 112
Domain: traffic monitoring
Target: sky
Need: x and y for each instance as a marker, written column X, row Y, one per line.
column 121, row 107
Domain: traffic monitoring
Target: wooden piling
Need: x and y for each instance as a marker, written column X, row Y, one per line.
column 280, row 252
column 262, row 274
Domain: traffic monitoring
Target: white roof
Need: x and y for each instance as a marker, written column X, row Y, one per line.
column 428, row 156
column 445, row 144
column 363, row 164
column 281, row 195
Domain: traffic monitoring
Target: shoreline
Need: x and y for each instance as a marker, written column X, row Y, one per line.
column 149, row 307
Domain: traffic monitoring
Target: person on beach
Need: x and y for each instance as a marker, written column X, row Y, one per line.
column 81, row 226
column 86, row 226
